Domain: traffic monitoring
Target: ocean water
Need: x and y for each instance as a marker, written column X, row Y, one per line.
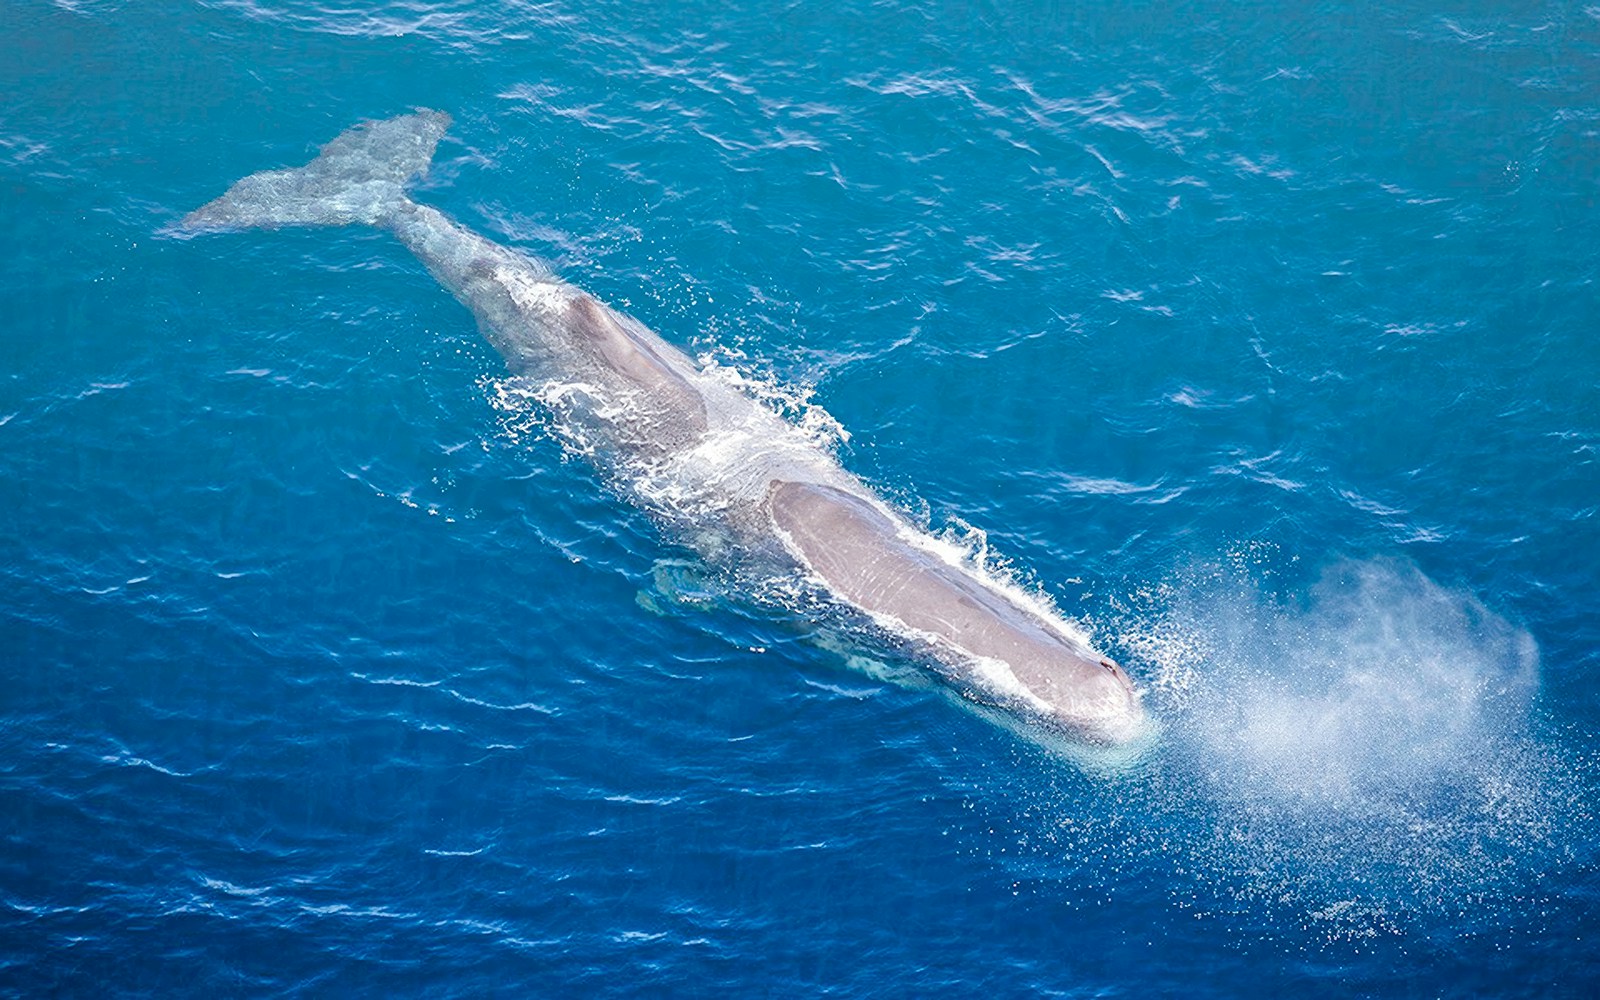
column 1260, row 340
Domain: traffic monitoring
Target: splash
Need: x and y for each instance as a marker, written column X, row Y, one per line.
column 796, row 404
column 1383, row 686
column 1362, row 752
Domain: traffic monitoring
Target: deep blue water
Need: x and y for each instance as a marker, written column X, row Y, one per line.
column 1262, row 341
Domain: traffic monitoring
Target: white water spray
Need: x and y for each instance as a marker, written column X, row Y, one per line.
column 1363, row 752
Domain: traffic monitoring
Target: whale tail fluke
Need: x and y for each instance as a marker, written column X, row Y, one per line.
column 359, row 177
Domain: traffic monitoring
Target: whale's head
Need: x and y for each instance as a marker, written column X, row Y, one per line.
column 1088, row 697
column 995, row 643
column 1110, row 711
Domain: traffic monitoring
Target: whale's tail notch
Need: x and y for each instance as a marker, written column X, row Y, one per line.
column 359, row 177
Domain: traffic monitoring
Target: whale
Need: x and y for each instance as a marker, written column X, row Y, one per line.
column 700, row 450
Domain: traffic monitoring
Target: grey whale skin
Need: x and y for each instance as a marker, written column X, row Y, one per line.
column 647, row 404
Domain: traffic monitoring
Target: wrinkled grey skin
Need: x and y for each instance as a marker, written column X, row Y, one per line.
column 652, row 409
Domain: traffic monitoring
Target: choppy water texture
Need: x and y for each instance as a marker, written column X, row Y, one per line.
column 1260, row 341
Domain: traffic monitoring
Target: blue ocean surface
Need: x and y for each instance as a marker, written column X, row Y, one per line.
column 1259, row 339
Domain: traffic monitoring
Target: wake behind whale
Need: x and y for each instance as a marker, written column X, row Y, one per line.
column 658, row 425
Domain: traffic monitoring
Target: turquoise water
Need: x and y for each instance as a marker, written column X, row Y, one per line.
column 1259, row 341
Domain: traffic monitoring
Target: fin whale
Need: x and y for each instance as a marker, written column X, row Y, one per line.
column 659, row 419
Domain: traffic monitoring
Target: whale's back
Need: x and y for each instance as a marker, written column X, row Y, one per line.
column 865, row 557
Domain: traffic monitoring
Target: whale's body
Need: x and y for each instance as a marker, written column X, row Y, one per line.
column 650, row 413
